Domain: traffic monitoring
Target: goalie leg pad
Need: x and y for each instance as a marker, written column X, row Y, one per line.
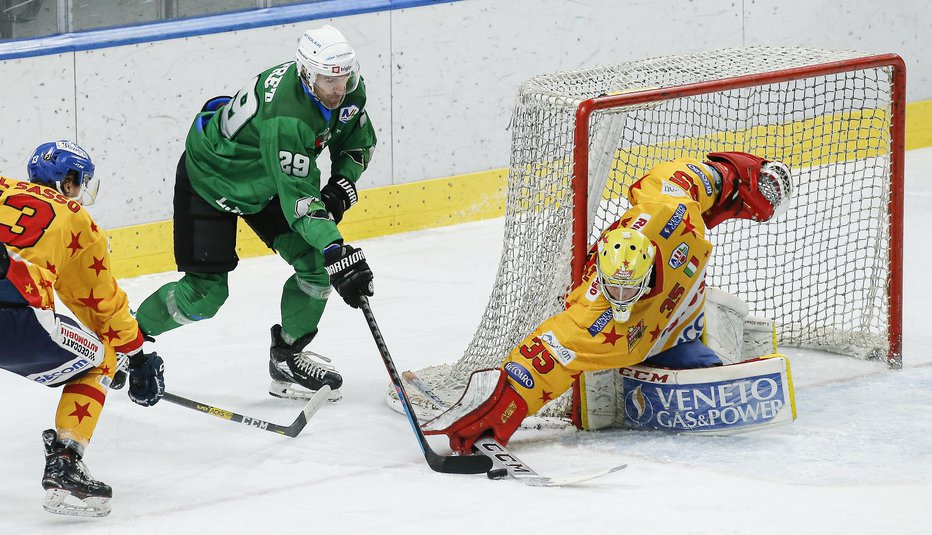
column 721, row 400
column 760, row 337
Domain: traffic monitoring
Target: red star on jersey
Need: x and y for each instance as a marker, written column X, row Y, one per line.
column 80, row 411
column 94, row 227
column 51, row 267
column 111, row 335
column 75, row 244
column 611, row 336
column 655, row 333
column 97, row 266
column 688, row 227
column 105, row 370
column 45, row 284
column 545, row 396
column 91, row 302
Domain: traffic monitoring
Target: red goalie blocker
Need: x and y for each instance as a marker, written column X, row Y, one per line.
column 720, row 400
column 489, row 406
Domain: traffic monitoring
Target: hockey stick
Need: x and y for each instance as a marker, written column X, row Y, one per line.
column 449, row 464
column 292, row 430
column 505, row 462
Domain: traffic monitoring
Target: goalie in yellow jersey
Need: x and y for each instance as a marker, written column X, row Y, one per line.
column 50, row 245
column 628, row 337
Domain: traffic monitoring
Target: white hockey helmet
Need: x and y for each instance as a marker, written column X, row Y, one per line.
column 327, row 65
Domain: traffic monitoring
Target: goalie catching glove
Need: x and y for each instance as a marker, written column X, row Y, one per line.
column 489, row 406
column 349, row 272
column 751, row 188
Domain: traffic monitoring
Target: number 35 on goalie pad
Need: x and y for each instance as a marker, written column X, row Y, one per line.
column 721, row 400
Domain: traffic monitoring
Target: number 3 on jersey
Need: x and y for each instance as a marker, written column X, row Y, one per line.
column 241, row 108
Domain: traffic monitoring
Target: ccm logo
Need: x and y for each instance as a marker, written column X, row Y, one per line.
column 641, row 375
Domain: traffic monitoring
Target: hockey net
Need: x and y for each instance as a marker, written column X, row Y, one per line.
column 828, row 272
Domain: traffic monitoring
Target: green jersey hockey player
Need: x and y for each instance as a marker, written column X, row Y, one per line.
column 253, row 156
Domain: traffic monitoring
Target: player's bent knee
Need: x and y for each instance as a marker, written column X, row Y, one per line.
column 199, row 296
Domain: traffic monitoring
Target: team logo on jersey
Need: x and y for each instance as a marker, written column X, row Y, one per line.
column 302, row 207
column 674, row 221
column 640, row 221
column 634, row 335
column 692, row 267
column 348, row 113
column 706, row 183
column 679, row 256
column 520, row 374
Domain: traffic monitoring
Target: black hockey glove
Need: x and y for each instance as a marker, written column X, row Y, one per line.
column 146, row 378
column 338, row 196
column 349, row 272
column 4, row 261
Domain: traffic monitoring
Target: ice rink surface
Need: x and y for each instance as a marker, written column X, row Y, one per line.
column 857, row 460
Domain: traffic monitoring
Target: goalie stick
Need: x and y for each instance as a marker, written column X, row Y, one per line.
column 292, row 430
column 449, row 464
column 505, row 462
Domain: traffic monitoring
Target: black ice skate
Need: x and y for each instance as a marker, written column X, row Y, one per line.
column 70, row 488
column 299, row 374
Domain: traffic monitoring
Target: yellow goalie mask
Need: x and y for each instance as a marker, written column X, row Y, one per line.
column 624, row 264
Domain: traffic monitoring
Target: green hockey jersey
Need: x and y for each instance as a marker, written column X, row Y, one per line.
column 264, row 144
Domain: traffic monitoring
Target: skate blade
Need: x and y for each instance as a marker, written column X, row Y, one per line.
column 282, row 390
column 91, row 507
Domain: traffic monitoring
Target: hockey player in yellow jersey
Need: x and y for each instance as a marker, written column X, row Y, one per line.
column 50, row 245
column 643, row 285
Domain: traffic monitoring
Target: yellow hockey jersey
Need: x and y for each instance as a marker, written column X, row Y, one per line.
column 55, row 246
column 666, row 206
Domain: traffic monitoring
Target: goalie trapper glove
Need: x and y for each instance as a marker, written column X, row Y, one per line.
column 338, row 196
column 349, row 272
column 146, row 378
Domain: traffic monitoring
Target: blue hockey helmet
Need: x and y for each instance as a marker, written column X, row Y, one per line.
column 55, row 161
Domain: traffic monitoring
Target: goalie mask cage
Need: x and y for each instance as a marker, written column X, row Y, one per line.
column 828, row 271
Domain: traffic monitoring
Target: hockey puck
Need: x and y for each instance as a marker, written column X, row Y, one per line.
column 497, row 473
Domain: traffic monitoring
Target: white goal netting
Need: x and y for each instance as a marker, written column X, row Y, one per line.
column 822, row 272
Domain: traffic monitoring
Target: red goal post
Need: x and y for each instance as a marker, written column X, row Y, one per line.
column 828, row 272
